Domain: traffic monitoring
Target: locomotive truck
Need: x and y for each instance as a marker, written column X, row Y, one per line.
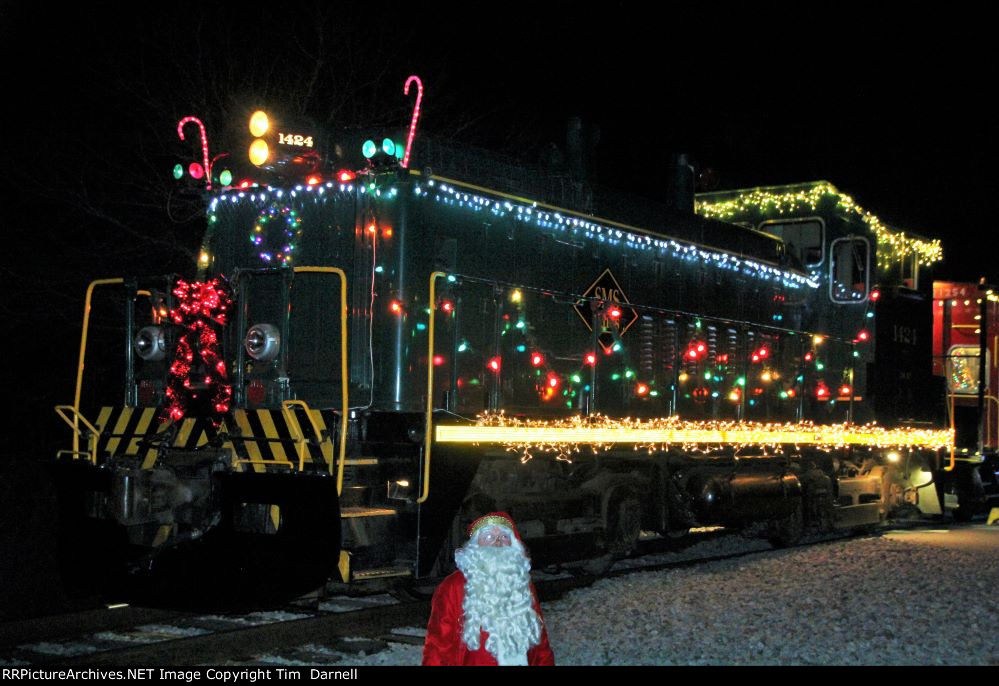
column 378, row 347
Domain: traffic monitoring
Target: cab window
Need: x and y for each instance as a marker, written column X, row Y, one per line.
column 849, row 270
column 803, row 239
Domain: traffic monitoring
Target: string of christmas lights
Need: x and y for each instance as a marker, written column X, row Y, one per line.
column 565, row 437
column 551, row 219
column 893, row 245
column 198, row 372
column 531, row 213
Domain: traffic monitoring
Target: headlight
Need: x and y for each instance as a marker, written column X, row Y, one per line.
column 150, row 343
column 263, row 342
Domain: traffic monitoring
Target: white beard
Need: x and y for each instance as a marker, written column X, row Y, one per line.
column 498, row 599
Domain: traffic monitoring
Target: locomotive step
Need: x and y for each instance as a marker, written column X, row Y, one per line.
column 380, row 573
column 349, row 512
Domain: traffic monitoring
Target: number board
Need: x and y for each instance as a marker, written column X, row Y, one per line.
column 607, row 289
column 296, row 140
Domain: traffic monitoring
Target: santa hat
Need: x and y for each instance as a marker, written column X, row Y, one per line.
column 494, row 519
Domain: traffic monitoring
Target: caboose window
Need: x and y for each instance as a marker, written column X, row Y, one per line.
column 802, row 238
column 849, row 270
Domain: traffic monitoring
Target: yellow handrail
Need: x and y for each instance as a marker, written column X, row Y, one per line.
column 74, row 424
column 83, row 351
column 343, row 364
column 428, row 438
column 294, row 428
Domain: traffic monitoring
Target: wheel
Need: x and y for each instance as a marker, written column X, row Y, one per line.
column 970, row 495
column 625, row 526
column 787, row 531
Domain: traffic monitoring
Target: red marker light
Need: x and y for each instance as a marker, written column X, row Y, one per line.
column 692, row 354
column 553, row 380
column 438, row 360
column 875, row 294
column 494, row 364
column 821, row 392
column 396, row 307
column 763, row 353
column 701, row 348
column 590, row 359
column 845, row 390
column 537, row 359
column 641, row 389
column 863, row 335
column 614, row 313
column 345, row 176
column 447, row 306
column 756, row 357
column 809, row 357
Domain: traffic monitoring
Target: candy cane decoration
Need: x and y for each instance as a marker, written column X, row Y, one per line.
column 204, row 145
column 416, row 115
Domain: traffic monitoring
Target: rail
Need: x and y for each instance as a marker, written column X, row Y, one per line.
column 342, row 455
column 92, row 433
column 428, row 435
column 301, row 442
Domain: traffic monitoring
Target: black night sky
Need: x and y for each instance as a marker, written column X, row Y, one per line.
column 890, row 108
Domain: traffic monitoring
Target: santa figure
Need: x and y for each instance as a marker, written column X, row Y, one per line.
column 487, row 612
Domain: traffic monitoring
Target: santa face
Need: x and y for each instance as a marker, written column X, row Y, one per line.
column 495, row 536
column 498, row 595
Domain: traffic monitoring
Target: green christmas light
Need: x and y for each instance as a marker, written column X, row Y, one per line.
column 575, row 378
column 388, row 146
column 369, row 149
column 178, row 171
column 225, row 178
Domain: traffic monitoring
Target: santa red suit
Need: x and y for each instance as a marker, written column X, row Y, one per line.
column 487, row 612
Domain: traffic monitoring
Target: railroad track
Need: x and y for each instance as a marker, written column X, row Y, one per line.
column 313, row 632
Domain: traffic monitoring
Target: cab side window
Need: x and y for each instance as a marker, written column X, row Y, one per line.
column 849, row 270
column 803, row 239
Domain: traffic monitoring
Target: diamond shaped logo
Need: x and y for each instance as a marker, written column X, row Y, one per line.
column 603, row 299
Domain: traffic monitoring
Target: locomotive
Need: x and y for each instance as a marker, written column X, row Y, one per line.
column 381, row 344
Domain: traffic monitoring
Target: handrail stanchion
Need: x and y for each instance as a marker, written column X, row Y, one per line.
column 343, row 365
column 428, row 438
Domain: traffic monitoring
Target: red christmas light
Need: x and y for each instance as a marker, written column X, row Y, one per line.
column 537, row 359
column 590, row 359
column 863, row 335
column 494, row 364
column 313, row 180
column 642, row 389
column 553, row 380
column 845, row 390
column 875, row 294
column 345, row 176
column 396, row 307
column 447, row 306
column 202, row 307
column 614, row 313
column 438, row 360
column 809, row 357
